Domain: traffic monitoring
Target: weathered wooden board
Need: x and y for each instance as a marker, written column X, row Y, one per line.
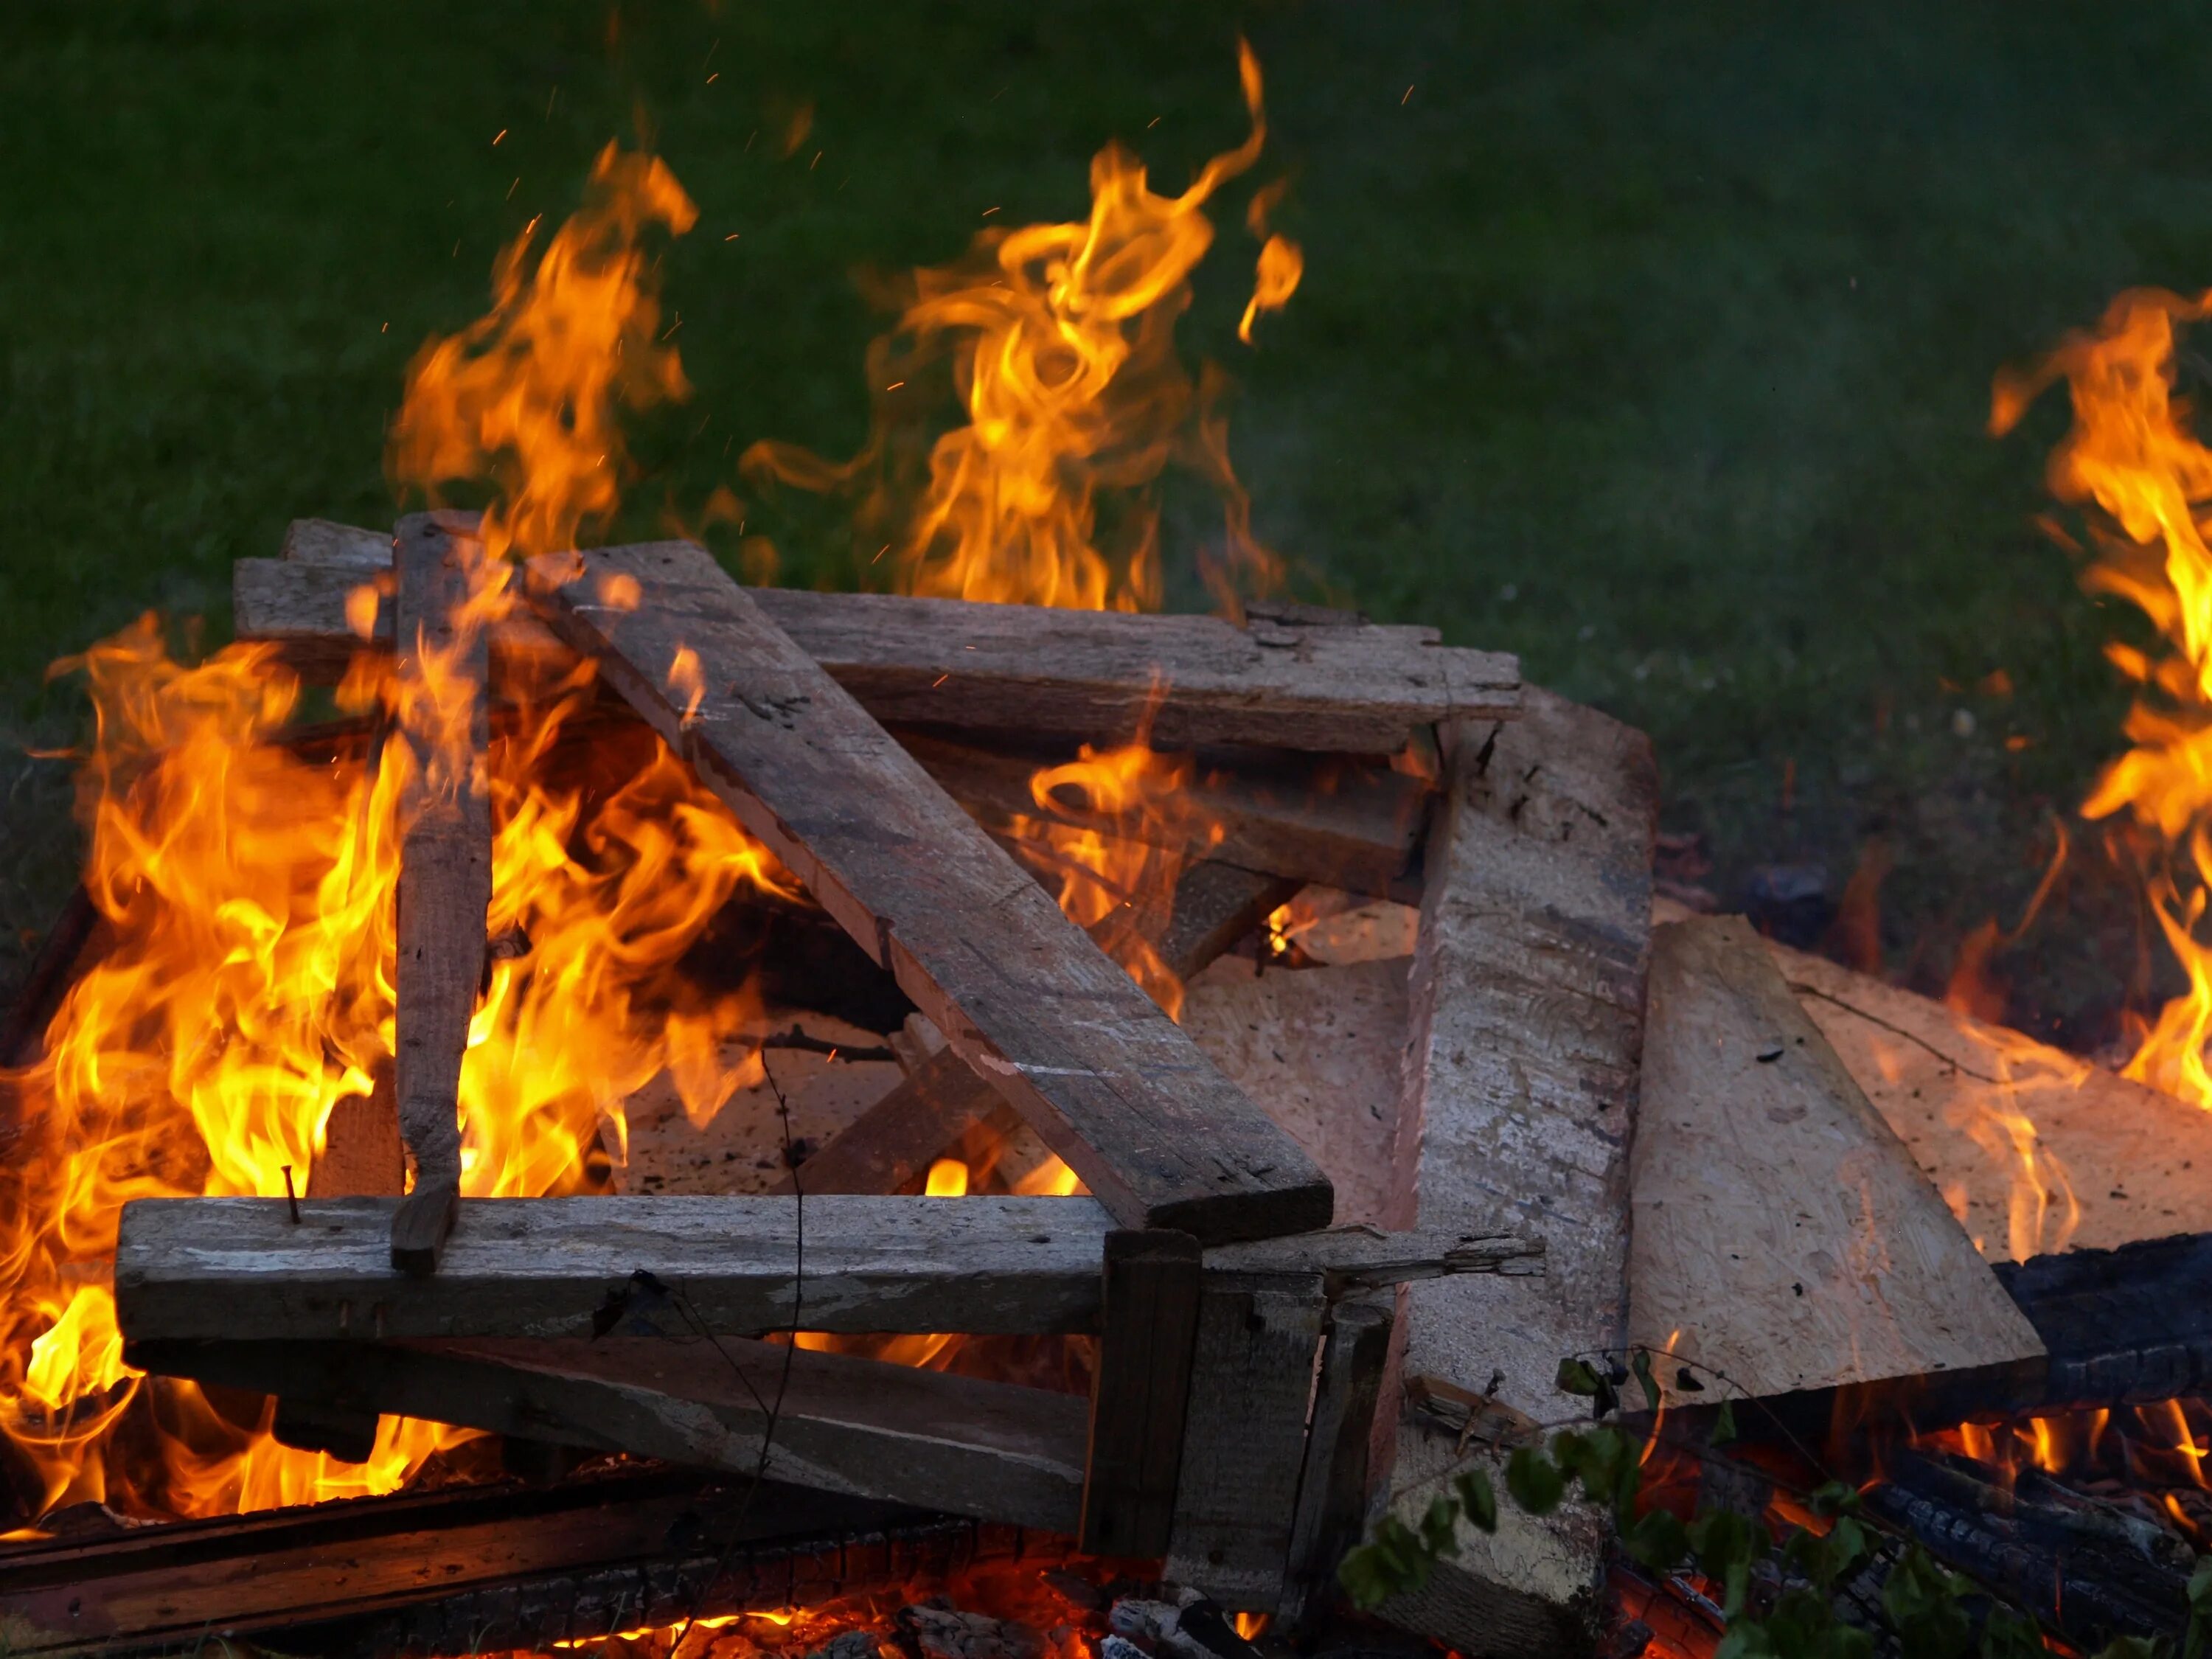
column 889, row 1147
column 362, row 1154
column 1527, row 997
column 1783, row 1235
column 1098, row 676
column 240, row 1269
column 1243, row 1447
column 1347, row 824
column 1154, row 1131
column 1140, row 1391
column 862, row 1427
column 445, row 868
column 1334, row 1485
column 555, row 1266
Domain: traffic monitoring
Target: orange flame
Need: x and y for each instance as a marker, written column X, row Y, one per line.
column 246, row 987
column 2132, row 453
column 1061, row 342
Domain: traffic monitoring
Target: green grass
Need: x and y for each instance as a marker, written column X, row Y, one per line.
column 1651, row 343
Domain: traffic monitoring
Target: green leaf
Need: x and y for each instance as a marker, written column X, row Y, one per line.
column 1721, row 1538
column 1576, row 1377
column 1641, row 1366
column 2007, row 1635
column 1922, row 1600
column 1534, row 1481
column 1440, row 1528
column 1477, row 1500
column 1657, row 1540
column 2135, row 1647
column 1836, row 1497
column 1723, row 1425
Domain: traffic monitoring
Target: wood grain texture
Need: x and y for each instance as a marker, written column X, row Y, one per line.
column 860, row 1427
column 1290, row 680
column 445, row 869
column 889, row 1147
column 1343, row 824
column 1526, row 995
column 1120, row 1094
column 1783, row 1234
column 361, row 1155
column 1140, row 1392
column 1251, row 1380
column 1334, row 1485
column 562, row 1266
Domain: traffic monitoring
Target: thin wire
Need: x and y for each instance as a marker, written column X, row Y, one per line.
column 783, row 1382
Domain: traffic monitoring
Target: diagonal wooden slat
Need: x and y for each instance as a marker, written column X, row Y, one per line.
column 1161, row 1138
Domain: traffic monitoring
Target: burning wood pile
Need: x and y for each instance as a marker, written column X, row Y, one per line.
column 987, row 1121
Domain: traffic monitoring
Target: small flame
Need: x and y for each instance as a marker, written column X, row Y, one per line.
column 1061, row 342
column 948, row 1178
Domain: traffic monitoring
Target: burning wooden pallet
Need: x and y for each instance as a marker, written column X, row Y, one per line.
column 1200, row 1261
column 1783, row 1235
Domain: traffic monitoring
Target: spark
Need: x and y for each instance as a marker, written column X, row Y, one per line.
column 939, row 681
column 894, row 386
column 500, row 134
column 1403, row 101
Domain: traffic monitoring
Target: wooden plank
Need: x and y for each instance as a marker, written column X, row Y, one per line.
column 362, row 1155
column 889, row 1147
column 1348, row 824
column 1761, row 1170
column 1141, row 1386
column 864, row 1428
column 1354, row 1260
column 1252, row 1378
column 445, row 869
column 1333, row 1486
column 1526, row 997
column 1288, row 679
column 564, row 1266
column 1120, row 1094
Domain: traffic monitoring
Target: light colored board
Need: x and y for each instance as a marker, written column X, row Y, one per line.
column 445, row 872
column 1783, row 1235
column 1251, row 1381
column 860, row 1427
column 1322, row 1046
column 1527, row 996
column 1357, row 826
column 543, row 1267
column 362, row 1154
column 1152, row 1129
column 1098, row 676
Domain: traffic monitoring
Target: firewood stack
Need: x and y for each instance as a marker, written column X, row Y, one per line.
column 1317, row 1286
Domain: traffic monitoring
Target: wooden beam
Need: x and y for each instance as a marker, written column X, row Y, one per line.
column 445, row 867
column 238, row 1268
column 889, row 1147
column 1252, row 1377
column 1120, row 1094
column 1783, row 1235
column 1140, row 1389
column 362, row 1155
column 1356, row 825
column 863, row 1428
column 1528, row 999
column 1334, row 1485
column 566, row 1266
column 1288, row 679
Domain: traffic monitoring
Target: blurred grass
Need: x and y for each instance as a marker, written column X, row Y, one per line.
column 1653, row 343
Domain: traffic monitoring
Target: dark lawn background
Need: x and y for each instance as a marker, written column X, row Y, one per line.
column 1653, row 343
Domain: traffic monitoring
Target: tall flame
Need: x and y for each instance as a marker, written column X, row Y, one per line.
column 2132, row 453
column 247, row 988
column 1061, row 344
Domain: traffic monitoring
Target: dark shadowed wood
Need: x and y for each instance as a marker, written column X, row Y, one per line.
column 862, row 1427
column 1333, row 1487
column 445, row 878
column 1243, row 1445
column 1526, row 1003
column 1350, row 825
column 889, row 1147
column 1140, row 1391
column 568, row 1266
column 1114, row 1088
column 1291, row 680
